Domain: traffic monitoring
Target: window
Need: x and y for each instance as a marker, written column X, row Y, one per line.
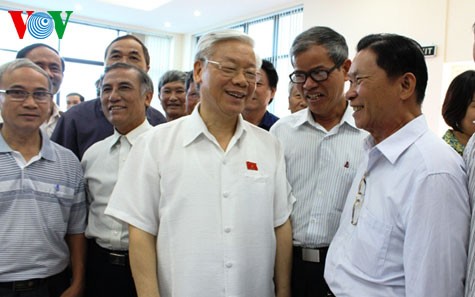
column 82, row 49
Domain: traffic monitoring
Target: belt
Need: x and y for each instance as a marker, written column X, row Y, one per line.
column 315, row 255
column 28, row 285
column 119, row 258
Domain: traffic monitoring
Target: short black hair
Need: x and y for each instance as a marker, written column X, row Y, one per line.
column 27, row 49
column 81, row 97
column 189, row 80
column 457, row 99
column 271, row 73
column 144, row 48
column 397, row 55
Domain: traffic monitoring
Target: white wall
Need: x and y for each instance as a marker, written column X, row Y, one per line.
column 444, row 23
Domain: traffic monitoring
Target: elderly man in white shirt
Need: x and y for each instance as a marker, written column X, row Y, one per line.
column 206, row 195
column 126, row 91
column 404, row 227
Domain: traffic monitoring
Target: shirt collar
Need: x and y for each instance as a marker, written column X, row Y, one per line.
column 305, row 116
column 46, row 151
column 195, row 126
column 393, row 146
column 132, row 135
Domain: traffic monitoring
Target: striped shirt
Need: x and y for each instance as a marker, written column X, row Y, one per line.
column 40, row 202
column 320, row 168
column 469, row 158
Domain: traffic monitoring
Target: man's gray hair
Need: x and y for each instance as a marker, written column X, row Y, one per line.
column 171, row 76
column 23, row 63
column 334, row 43
column 207, row 43
column 146, row 83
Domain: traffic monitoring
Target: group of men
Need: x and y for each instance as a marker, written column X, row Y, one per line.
column 353, row 196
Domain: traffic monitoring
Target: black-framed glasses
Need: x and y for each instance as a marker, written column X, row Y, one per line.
column 230, row 70
column 355, row 214
column 22, row 95
column 316, row 74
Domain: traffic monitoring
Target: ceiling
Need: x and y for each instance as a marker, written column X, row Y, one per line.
column 176, row 16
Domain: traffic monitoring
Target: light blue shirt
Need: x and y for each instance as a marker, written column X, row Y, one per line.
column 412, row 231
column 321, row 165
column 469, row 158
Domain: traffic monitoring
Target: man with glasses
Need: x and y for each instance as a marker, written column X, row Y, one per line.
column 43, row 209
column 50, row 61
column 211, row 201
column 404, row 227
column 322, row 149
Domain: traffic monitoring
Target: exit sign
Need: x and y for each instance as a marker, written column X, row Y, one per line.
column 429, row 50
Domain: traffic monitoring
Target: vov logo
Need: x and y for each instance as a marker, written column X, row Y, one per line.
column 39, row 24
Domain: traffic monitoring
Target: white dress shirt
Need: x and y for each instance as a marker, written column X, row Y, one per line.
column 50, row 124
column 412, row 228
column 320, row 165
column 213, row 211
column 102, row 163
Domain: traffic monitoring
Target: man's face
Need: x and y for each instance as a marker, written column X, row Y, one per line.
column 50, row 62
column 72, row 100
column 127, row 51
column 173, row 99
column 326, row 97
column 192, row 98
column 122, row 100
column 296, row 101
column 262, row 95
column 373, row 96
column 24, row 117
column 221, row 93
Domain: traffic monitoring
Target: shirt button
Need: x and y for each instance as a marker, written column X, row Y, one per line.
column 229, row 264
column 227, row 229
column 226, row 194
column 313, row 221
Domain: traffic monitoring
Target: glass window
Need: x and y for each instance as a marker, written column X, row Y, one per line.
column 79, row 78
column 86, row 42
column 263, row 35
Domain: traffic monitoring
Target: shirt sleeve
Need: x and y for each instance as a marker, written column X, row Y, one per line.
column 435, row 244
column 136, row 195
column 284, row 199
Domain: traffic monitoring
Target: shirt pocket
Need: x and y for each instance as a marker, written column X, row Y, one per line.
column 369, row 244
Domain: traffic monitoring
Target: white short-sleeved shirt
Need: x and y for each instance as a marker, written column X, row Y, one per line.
column 469, row 158
column 101, row 164
column 213, row 212
column 412, row 231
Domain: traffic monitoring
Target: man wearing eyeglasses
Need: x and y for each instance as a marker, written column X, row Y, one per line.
column 43, row 209
column 322, row 148
column 50, row 61
column 404, row 227
column 211, row 201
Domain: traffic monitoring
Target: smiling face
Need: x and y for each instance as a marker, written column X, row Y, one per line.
column 324, row 99
column 221, row 95
column 374, row 97
column 173, row 99
column 122, row 100
column 127, row 51
column 25, row 117
column 262, row 95
column 50, row 62
column 296, row 101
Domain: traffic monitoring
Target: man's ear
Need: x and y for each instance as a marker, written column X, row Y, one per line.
column 345, row 67
column 198, row 67
column 407, row 84
column 148, row 98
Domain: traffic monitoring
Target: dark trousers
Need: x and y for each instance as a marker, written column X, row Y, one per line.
column 108, row 273
column 307, row 276
column 52, row 286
